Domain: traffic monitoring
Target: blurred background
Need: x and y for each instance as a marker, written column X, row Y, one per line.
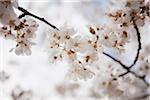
column 34, row 77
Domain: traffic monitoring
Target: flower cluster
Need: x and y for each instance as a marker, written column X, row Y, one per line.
column 80, row 52
column 70, row 45
column 80, row 72
column 25, row 32
column 20, row 30
column 115, row 39
column 133, row 11
column 125, row 88
column 124, row 18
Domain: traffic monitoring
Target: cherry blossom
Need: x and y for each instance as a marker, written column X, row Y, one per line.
column 78, row 72
column 114, row 39
column 19, row 30
column 74, row 49
column 25, row 32
column 22, row 34
column 7, row 13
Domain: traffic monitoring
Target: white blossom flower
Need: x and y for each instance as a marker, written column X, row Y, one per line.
column 55, row 55
column 6, row 33
column 22, row 48
column 77, row 72
column 25, row 32
column 90, row 57
column 115, row 40
column 78, row 44
column 62, row 35
column 7, row 13
column 134, row 10
column 22, row 34
column 94, row 41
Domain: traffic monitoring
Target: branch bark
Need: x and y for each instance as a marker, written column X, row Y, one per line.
column 119, row 62
column 25, row 12
column 139, row 44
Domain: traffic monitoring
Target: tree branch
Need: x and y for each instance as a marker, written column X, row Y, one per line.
column 25, row 12
column 119, row 62
column 139, row 44
column 127, row 68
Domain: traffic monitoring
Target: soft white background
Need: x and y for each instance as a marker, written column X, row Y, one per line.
column 35, row 72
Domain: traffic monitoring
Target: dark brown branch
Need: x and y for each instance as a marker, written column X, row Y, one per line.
column 119, row 62
column 139, row 44
column 138, row 50
column 140, row 77
column 25, row 12
column 123, row 74
column 136, row 75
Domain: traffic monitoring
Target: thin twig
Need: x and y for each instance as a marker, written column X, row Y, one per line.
column 139, row 44
column 123, row 74
column 119, row 62
column 136, row 75
column 25, row 12
column 138, row 50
